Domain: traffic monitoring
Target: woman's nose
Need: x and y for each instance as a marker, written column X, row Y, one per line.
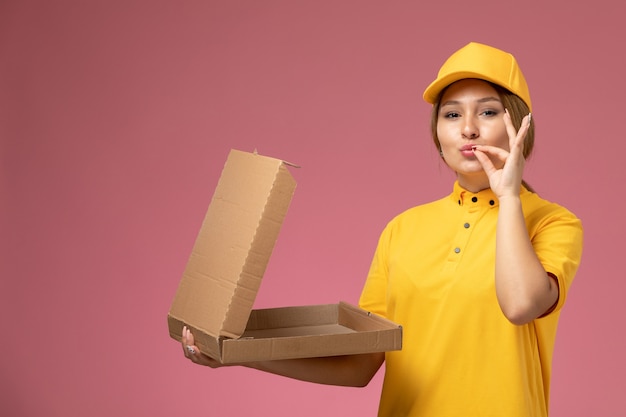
column 470, row 129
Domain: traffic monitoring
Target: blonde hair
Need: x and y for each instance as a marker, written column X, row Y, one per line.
column 516, row 107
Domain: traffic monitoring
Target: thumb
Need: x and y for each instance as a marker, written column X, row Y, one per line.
column 485, row 162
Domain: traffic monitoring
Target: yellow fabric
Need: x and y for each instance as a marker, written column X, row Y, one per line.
column 433, row 273
column 484, row 62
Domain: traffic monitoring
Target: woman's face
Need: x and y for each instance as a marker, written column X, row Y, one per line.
column 471, row 113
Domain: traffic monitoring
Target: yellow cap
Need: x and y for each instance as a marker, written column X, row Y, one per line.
column 484, row 62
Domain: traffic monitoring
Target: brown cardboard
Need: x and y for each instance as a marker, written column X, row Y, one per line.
column 223, row 274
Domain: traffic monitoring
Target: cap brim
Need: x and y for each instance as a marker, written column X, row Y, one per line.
column 436, row 87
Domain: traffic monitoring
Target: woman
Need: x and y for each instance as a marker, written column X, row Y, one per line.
column 478, row 278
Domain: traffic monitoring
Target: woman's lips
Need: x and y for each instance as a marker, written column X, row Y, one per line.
column 468, row 151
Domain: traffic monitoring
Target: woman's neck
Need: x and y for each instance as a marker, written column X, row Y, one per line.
column 473, row 183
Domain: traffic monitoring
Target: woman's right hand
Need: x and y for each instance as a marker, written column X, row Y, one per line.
column 192, row 352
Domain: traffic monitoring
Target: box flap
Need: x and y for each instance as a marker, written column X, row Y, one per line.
column 234, row 245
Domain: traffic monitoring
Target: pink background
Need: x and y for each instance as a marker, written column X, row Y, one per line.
column 116, row 120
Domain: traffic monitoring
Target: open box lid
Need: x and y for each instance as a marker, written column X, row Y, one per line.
column 234, row 245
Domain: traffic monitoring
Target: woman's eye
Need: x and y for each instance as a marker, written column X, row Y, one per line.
column 451, row 115
column 490, row 113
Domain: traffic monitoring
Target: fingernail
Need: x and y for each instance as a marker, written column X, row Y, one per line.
column 530, row 116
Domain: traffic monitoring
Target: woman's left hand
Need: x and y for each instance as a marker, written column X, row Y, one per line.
column 506, row 180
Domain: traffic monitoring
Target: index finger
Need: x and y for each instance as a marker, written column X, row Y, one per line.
column 187, row 341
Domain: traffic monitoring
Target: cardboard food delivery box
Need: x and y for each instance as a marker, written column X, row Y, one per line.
column 224, row 271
